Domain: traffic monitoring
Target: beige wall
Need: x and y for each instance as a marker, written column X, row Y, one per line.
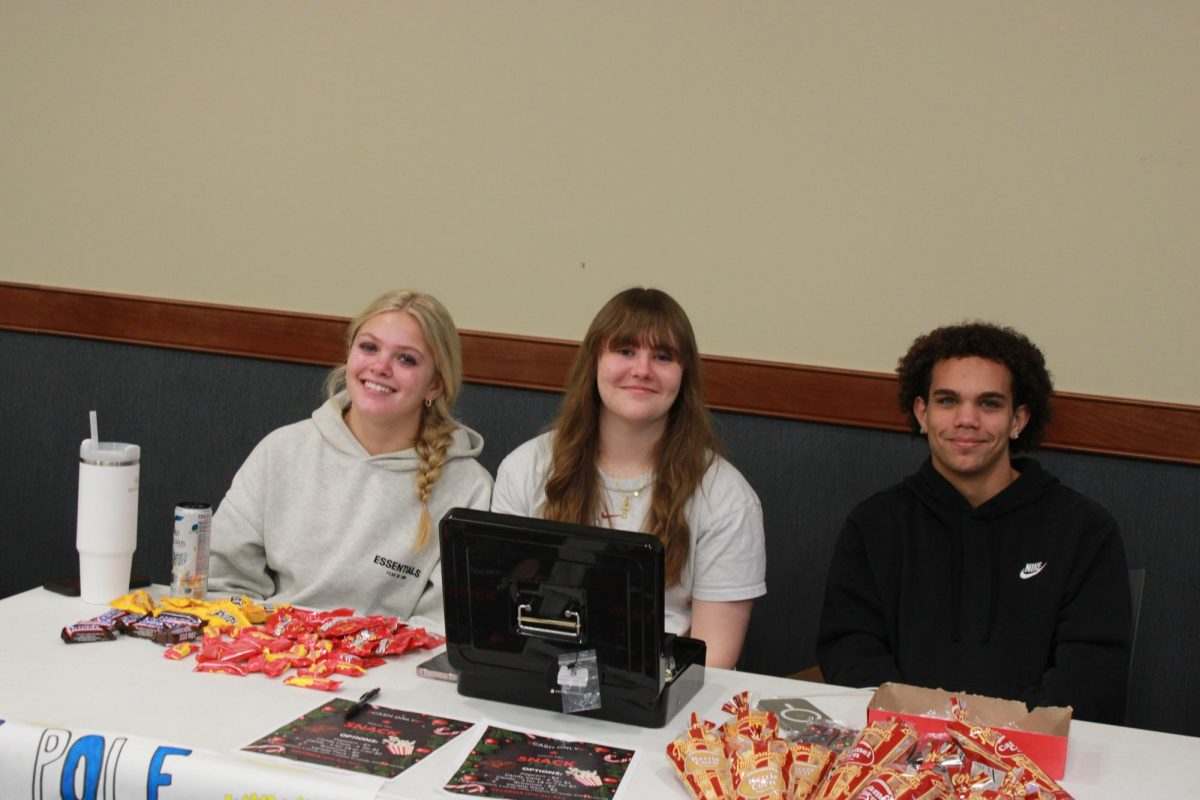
column 816, row 182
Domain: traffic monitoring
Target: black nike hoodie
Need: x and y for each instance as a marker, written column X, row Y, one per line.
column 1025, row 597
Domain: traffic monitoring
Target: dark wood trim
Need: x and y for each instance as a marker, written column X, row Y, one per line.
column 1082, row 423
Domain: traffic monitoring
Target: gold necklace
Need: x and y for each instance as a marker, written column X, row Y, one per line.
column 627, row 503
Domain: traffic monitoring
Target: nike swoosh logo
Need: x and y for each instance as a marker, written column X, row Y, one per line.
column 1031, row 569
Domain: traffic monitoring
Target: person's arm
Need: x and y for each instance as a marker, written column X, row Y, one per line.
column 722, row 626
column 430, row 609
column 852, row 641
column 237, row 554
column 1090, row 661
column 729, row 563
column 515, row 485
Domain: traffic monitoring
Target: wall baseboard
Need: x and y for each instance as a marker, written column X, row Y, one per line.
column 1082, row 423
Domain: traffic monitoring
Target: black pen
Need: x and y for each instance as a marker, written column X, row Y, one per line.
column 367, row 697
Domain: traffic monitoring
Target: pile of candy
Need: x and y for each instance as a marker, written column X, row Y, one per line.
column 240, row 637
column 746, row 758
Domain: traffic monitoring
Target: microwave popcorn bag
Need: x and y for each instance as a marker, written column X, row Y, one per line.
column 892, row 784
column 700, row 761
column 807, row 765
column 745, row 758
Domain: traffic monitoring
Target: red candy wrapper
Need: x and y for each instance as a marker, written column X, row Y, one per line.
column 222, row 668
column 324, row 684
column 180, row 651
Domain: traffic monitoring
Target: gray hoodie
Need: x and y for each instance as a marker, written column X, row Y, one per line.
column 312, row 519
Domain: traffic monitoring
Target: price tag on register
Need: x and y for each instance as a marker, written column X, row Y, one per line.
column 579, row 681
column 572, row 677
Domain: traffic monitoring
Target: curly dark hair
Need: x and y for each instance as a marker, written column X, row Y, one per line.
column 1031, row 383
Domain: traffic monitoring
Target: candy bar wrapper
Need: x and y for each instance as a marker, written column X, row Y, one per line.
column 806, row 766
column 700, row 760
column 175, row 634
column 137, row 602
column 345, row 626
column 995, row 749
column 222, row 668
column 103, row 628
column 255, row 611
column 269, row 643
column 180, row 651
column 88, row 631
column 225, row 651
column 892, row 784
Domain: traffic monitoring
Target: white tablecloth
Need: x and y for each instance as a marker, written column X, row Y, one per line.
column 127, row 687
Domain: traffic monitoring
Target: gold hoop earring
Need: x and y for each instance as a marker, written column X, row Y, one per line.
column 428, row 402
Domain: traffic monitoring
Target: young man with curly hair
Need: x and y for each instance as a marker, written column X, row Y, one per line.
column 981, row 572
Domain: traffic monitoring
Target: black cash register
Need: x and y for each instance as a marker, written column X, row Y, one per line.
column 523, row 595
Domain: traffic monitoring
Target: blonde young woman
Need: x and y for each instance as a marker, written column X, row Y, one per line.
column 633, row 448
column 340, row 509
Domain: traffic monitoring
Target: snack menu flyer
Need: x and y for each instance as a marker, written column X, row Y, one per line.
column 522, row 766
column 378, row 741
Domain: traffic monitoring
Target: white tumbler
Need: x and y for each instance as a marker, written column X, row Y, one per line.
column 106, row 525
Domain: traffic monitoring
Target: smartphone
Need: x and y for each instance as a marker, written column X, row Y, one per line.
column 69, row 584
column 438, row 668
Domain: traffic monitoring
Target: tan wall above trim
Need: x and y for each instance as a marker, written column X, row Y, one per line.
column 1105, row 425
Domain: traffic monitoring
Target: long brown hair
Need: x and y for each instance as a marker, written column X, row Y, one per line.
column 437, row 421
column 647, row 317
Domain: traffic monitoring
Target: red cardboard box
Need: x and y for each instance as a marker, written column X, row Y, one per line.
column 1041, row 733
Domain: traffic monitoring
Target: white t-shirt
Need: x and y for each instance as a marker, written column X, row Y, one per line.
column 727, row 558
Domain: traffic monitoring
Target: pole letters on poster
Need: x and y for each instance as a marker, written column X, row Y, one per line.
column 55, row 763
column 89, row 766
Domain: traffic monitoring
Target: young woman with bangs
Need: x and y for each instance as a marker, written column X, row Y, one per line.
column 633, row 449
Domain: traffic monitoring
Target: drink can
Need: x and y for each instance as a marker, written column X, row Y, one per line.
column 189, row 551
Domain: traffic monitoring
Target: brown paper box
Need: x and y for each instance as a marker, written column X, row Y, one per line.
column 1041, row 733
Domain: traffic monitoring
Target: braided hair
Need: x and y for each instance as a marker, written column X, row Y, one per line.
column 437, row 421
